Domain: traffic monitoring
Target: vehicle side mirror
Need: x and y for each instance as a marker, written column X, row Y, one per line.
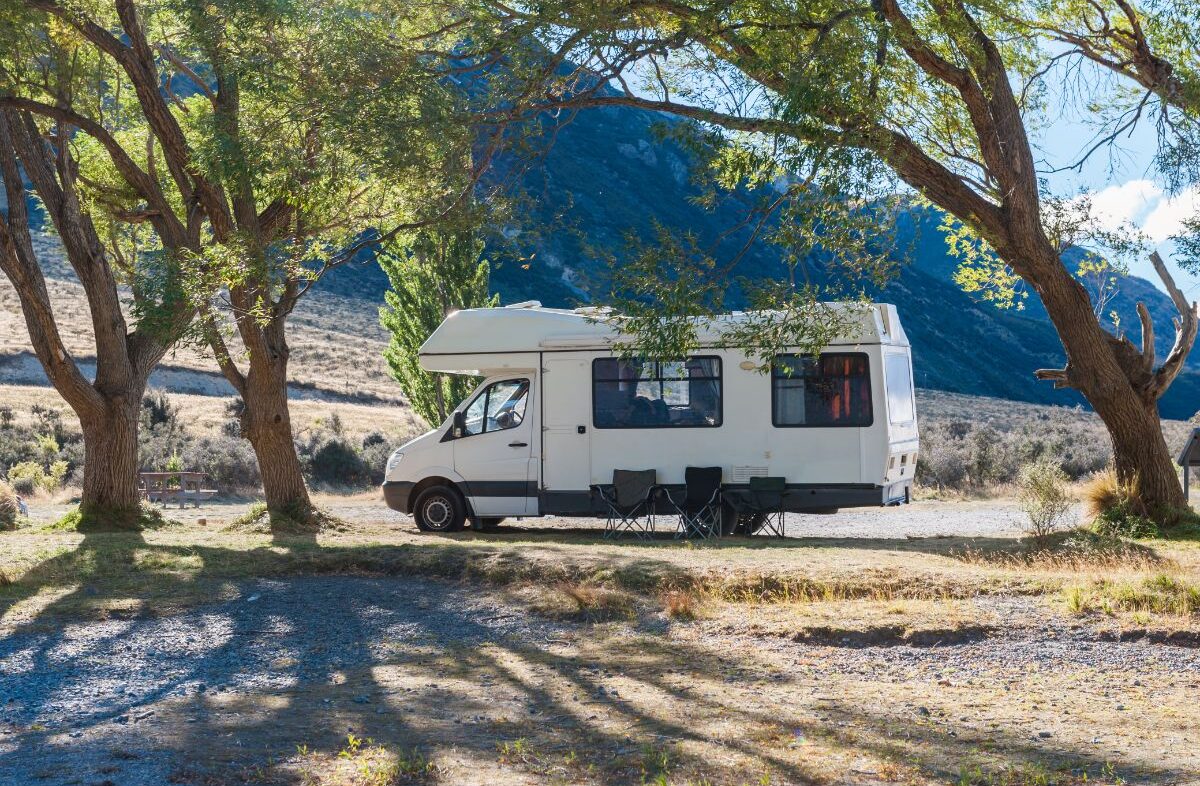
column 459, row 428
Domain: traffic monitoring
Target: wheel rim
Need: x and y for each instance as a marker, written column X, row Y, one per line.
column 438, row 512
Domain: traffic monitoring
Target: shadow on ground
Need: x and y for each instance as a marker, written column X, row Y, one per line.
column 226, row 690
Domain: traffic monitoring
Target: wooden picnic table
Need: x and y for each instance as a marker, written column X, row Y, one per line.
column 178, row 487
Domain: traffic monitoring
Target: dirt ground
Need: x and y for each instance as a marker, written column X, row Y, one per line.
column 866, row 648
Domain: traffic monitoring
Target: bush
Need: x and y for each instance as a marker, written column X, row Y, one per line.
column 1123, row 521
column 229, row 461
column 336, row 462
column 26, row 477
column 375, row 454
column 10, row 511
column 1115, row 507
column 1043, row 496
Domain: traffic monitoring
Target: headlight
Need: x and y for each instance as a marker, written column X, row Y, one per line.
column 393, row 460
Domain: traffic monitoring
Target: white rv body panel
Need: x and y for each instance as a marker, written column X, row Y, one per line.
column 548, row 461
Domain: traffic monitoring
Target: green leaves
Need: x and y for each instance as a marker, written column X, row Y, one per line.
column 432, row 274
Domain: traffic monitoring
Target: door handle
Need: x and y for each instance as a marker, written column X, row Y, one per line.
column 518, row 444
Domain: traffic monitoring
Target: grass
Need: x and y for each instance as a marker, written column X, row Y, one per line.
column 143, row 517
column 568, row 574
column 1160, row 594
column 1076, row 550
column 363, row 762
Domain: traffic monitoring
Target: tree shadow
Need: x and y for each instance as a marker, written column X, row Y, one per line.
column 270, row 664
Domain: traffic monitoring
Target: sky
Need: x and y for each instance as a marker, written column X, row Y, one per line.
column 1123, row 184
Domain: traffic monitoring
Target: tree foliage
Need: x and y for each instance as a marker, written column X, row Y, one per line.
column 230, row 153
column 432, row 273
column 839, row 100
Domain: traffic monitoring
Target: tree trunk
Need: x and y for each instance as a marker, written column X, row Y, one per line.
column 1114, row 380
column 1141, row 456
column 268, row 426
column 110, row 497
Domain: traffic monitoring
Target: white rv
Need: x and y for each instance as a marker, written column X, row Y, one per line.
column 557, row 411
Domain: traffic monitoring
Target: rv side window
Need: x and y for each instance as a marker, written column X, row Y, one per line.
column 833, row 389
column 656, row 394
column 500, row 406
column 898, row 374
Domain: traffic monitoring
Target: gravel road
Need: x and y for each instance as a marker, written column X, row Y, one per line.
column 71, row 696
column 137, row 701
column 930, row 518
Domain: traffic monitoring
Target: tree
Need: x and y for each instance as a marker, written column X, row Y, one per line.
column 262, row 145
column 40, row 156
column 434, row 274
column 942, row 92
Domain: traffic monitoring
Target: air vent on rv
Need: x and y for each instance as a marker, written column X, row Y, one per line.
column 743, row 474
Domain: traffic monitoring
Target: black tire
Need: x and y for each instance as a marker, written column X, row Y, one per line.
column 487, row 523
column 439, row 509
column 749, row 523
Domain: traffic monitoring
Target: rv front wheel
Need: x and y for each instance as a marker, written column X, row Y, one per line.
column 439, row 509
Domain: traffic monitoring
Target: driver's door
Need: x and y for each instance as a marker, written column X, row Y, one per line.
column 495, row 454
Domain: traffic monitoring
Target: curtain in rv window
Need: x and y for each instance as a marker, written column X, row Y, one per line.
column 898, row 374
column 656, row 394
column 833, row 389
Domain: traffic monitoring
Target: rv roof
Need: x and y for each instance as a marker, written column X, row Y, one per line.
column 528, row 327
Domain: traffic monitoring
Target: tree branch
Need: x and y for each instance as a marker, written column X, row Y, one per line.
column 1185, row 331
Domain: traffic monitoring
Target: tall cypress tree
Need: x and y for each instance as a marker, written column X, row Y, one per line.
column 435, row 273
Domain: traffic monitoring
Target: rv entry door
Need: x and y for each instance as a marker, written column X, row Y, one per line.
column 494, row 454
column 566, row 445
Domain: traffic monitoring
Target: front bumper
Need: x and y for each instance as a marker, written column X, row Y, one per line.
column 396, row 494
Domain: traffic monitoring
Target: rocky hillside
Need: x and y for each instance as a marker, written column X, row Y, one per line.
column 609, row 173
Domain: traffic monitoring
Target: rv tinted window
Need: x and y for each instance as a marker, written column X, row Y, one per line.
column 901, row 408
column 500, row 406
column 656, row 394
column 831, row 390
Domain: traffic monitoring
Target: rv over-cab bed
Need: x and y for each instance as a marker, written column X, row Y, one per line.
column 558, row 410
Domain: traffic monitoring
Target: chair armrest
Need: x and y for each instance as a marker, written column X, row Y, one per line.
column 716, row 495
column 662, row 491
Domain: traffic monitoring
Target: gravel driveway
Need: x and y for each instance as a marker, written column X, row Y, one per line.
column 185, row 698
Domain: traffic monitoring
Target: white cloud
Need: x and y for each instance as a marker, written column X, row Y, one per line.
column 1168, row 215
column 1114, row 207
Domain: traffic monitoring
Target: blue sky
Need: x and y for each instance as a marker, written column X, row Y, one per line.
column 1123, row 184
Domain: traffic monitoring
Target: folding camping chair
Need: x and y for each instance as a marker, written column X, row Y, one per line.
column 630, row 502
column 759, row 508
column 700, row 509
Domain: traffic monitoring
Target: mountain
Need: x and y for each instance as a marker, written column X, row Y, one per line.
column 611, row 172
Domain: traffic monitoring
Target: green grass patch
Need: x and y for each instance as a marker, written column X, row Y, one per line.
column 1160, row 594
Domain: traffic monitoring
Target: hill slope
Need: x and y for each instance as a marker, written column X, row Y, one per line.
column 609, row 173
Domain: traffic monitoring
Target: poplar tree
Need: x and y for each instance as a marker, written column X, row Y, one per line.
column 433, row 274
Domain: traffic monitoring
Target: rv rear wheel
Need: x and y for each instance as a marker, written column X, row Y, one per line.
column 439, row 509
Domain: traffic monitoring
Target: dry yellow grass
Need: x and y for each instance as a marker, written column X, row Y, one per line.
column 336, row 344
column 207, row 414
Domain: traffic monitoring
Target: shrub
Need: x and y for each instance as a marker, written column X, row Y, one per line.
column 1043, row 497
column 1122, row 520
column 10, row 511
column 375, row 452
column 336, row 462
column 55, row 475
column 229, row 461
column 26, row 477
